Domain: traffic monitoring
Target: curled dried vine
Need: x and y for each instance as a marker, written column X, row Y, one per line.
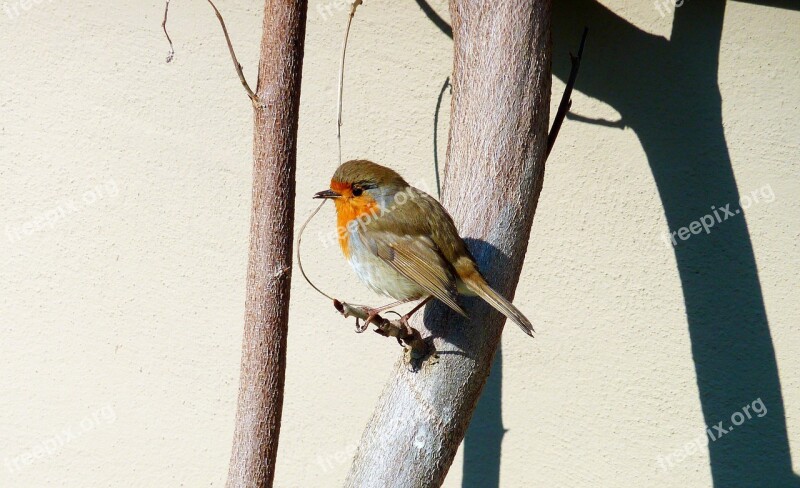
column 417, row 348
column 352, row 14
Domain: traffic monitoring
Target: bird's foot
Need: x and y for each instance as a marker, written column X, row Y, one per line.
column 404, row 322
column 372, row 313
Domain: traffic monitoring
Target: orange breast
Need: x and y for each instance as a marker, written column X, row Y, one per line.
column 348, row 210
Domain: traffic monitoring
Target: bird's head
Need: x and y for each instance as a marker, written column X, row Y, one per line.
column 361, row 186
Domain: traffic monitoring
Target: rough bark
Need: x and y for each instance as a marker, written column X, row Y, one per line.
column 258, row 416
column 493, row 177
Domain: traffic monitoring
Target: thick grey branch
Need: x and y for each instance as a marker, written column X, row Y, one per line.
column 492, row 181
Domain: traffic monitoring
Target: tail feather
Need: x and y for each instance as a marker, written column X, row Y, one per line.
column 496, row 300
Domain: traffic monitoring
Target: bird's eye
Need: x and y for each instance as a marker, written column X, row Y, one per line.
column 357, row 191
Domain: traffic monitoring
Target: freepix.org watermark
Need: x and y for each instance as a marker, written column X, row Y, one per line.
column 53, row 216
column 326, row 10
column 50, row 446
column 666, row 6
column 326, row 238
column 14, row 9
column 756, row 409
column 718, row 215
column 326, row 462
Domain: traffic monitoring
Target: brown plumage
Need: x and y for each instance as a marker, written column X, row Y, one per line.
column 402, row 243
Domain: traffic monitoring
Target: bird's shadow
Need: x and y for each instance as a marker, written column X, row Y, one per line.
column 484, row 437
column 443, row 323
column 666, row 91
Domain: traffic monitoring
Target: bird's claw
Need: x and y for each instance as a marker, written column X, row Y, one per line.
column 371, row 315
column 404, row 322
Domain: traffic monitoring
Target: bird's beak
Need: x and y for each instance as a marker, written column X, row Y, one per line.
column 327, row 194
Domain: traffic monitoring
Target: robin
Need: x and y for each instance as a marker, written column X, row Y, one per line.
column 402, row 243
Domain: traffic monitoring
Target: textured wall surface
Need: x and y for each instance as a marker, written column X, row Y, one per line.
column 124, row 206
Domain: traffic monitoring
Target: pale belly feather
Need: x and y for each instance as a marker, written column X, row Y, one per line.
column 378, row 275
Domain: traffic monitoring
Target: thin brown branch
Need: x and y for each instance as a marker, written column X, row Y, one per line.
column 171, row 53
column 566, row 99
column 236, row 65
column 269, row 268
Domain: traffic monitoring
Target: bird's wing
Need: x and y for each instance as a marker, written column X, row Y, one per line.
column 418, row 259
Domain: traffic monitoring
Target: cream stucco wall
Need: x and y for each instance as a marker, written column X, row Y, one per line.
column 121, row 315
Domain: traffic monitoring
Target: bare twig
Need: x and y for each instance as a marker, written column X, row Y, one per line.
column 566, row 99
column 419, row 348
column 238, row 67
column 353, row 8
column 171, row 53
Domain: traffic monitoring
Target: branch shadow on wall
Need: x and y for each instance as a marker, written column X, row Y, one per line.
column 666, row 91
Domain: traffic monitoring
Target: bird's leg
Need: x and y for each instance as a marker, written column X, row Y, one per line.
column 404, row 318
column 373, row 312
